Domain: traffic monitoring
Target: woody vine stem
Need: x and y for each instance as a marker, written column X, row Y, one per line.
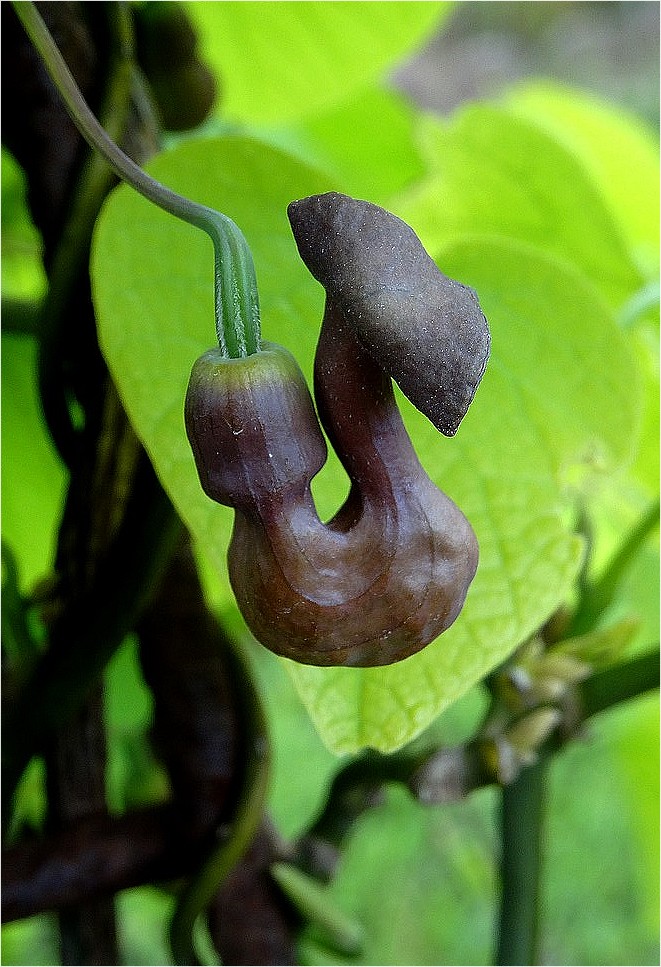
column 236, row 300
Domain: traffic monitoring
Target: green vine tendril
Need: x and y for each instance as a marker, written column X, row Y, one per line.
column 236, row 299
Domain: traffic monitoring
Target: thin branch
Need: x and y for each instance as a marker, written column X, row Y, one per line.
column 597, row 597
column 620, row 683
column 436, row 776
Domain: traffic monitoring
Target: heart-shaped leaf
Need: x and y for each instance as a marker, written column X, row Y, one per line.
column 539, row 411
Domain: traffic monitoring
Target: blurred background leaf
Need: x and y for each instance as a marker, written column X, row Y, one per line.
column 294, row 59
column 617, row 149
column 495, row 173
column 22, row 271
column 33, row 477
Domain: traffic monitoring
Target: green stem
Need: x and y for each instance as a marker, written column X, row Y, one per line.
column 236, row 300
column 249, row 813
column 619, row 683
column 341, row 933
column 522, row 810
column 596, row 597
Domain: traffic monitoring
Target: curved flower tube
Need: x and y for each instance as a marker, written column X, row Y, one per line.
column 391, row 570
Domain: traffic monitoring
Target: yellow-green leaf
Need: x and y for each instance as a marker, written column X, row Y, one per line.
column 278, row 61
column 538, row 413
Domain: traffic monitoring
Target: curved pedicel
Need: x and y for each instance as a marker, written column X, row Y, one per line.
column 391, row 570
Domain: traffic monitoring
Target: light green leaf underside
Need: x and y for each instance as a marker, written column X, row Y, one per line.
column 516, row 586
column 536, row 415
column 560, row 344
column 278, row 61
column 153, row 293
column 619, row 150
column 495, row 173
